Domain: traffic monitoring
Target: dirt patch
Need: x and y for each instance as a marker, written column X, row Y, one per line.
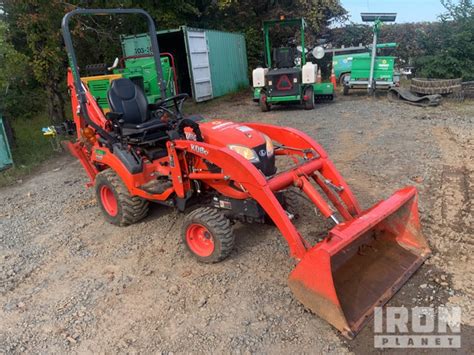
column 71, row 282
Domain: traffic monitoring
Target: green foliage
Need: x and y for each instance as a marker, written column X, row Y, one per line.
column 246, row 16
column 16, row 85
column 37, row 35
column 452, row 56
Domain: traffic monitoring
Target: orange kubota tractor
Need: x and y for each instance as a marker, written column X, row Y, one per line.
column 142, row 152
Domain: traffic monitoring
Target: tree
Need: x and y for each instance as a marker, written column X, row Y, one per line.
column 16, row 84
column 246, row 16
column 38, row 22
column 452, row 54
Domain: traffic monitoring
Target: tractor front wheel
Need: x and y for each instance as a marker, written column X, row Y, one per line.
column 208, row 235
column 118, row 206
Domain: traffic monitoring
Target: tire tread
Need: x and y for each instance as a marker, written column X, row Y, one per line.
column 134, row 208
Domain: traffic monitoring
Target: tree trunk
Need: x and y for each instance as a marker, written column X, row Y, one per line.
column 56, row 103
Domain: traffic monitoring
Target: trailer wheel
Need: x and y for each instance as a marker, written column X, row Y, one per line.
column 262, row 101
column 208, row 235
column 342, row 78
column 118, row 206
column 309, row 98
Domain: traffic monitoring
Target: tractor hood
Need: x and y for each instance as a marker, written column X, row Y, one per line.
column 227, row 133
column 223, row 133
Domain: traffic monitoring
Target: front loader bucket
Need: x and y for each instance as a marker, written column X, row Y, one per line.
column 362, row 263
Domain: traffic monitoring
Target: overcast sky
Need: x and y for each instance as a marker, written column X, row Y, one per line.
column 407, row 10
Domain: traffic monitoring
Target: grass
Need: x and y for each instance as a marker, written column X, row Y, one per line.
column 30, row 150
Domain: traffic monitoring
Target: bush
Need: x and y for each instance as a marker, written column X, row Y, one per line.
column 452, row 56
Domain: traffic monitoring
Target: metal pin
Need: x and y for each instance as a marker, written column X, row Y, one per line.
column 333, row 217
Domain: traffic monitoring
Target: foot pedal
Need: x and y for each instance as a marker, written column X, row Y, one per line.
column 156, row 186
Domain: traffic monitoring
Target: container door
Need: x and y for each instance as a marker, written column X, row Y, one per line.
column 199, row 68
column 5, row 154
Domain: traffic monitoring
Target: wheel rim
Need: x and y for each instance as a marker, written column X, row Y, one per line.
column 200, row 240
column 108, row 200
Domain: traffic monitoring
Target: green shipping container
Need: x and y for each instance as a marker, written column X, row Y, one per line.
column 208, row 63
column 6, row 160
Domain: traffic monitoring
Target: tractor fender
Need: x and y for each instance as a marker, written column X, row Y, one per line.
column 131, row 180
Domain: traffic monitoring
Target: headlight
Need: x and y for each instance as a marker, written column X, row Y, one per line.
column 269, row 145
column 246, row 152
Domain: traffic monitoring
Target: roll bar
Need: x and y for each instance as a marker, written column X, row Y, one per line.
column 81, row 95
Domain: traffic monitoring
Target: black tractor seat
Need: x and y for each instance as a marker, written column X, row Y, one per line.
column 130, row 107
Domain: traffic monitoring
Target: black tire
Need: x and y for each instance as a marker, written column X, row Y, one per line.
column 292, row 203
column 218, row 229
column 435, row 86
column 309, row 103
column 262, row 102
column 345, row 90
column 342, row 77
column 435, row 83
column 129, row 209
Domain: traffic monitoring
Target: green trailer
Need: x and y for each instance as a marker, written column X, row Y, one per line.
column 384, row 76
column 342, row 63
column 288, row 78
column 373, row 72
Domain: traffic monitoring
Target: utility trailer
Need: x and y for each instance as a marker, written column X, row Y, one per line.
column 372, row 72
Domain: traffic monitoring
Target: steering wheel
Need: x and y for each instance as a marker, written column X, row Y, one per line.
column 179, row 122
column 177, row 103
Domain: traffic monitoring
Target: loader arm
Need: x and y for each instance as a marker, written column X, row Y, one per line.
column 312, row 159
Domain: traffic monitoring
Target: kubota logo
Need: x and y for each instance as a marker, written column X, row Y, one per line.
column 199, row 149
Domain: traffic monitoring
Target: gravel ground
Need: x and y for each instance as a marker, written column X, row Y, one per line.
column 70, row 282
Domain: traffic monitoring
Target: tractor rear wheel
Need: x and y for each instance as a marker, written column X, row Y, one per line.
column 119, row 207
column 309, row 98
column 345, row 90
column 208, row 235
